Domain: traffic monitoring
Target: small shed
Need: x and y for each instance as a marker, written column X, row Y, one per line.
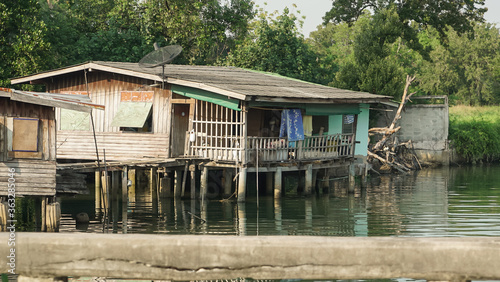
column 28, row 139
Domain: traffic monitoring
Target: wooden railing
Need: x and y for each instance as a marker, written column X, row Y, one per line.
column 275, row 149
column 223, row 149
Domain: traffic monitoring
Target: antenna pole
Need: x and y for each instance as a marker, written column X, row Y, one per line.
column 162, row 77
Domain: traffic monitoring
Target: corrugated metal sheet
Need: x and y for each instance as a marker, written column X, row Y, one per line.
column 132, row 114
column 223, row 80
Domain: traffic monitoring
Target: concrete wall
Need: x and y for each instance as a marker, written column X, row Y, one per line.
column 427, row 127
column 199, row 257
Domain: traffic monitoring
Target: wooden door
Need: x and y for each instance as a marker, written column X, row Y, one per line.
column 180, row 123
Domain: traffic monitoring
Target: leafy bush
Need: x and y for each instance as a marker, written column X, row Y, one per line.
column 475, row 132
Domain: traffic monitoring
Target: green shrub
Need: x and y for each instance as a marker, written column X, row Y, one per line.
column 475, row 132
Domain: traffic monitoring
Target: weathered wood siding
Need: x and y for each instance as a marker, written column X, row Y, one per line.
column 105, row 88
column 119, row 146
column 33, row 176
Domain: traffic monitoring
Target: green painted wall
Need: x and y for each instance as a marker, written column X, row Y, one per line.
column 335, row 127
column 335, row 124
column 362, row 130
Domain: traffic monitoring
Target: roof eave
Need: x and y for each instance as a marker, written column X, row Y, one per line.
column 85, row 66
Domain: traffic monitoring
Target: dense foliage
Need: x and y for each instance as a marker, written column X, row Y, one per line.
column 475, row 132
column 365, row 45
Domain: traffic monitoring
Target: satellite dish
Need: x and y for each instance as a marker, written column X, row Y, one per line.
column 160, row 57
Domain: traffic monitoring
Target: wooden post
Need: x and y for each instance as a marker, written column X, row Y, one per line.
column 105, row 191
column 53, row 217
column 242, row 185
column 277, row 183
column 228, row 181
column 192, row 171
column 177, row 183
column 352, row 179
column 153, row 185
column 269, row 183
column 125, row 185
column 308, row 180
column 97, row 191
column 131, row 189
column 44, row 214
column 203, row 183
column 165, row 187
column 325, row 184
column 184, row 176
column 315, row 181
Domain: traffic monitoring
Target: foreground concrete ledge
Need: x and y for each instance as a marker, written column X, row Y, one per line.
column 194, row 257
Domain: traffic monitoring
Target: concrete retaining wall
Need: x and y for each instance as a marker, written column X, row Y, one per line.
column 278, row 257
column 427, row 127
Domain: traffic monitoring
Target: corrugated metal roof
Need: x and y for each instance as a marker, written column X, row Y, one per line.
column 73, row 102
column 230, row 81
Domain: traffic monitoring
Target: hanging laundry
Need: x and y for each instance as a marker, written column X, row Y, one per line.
column 291, row 125
column 308, row 125
column 348, row 119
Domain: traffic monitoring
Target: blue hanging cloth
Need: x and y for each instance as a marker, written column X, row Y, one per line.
column 291, row 125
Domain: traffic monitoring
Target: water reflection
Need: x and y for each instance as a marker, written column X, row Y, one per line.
column 437, row 202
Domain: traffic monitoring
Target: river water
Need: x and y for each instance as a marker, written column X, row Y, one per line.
column 456, row 201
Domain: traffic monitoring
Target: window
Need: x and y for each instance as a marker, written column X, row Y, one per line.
column 134, row 113
column 74, row 120
column 25, row 135
column 348, row 124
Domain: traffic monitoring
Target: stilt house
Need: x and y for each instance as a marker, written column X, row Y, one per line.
column 209, row 115
column 28, row 139
column 216, row 113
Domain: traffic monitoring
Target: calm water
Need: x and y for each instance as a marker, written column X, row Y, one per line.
column 433, row 202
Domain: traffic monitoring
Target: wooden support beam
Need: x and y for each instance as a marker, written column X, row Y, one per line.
column 125, row 185
column 192, row 171
column 131, row 189
column 178, row 183
column 97, row 190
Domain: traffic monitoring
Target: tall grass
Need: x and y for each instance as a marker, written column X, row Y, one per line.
column 475, row 132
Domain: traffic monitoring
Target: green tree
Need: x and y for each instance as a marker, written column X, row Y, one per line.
column 206, row 29
column 23, row 45
column 436, row 13
column 372, row 55
column 468, row 68
column 276, row 45
column 85, row 30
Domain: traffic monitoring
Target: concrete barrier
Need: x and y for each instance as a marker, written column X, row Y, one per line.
column 224, row 257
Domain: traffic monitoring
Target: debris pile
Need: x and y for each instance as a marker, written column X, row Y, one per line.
column 388, row 154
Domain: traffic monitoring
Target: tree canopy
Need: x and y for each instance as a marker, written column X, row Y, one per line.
column 364, row 45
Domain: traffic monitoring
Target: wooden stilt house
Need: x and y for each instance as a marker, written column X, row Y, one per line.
column 216, row 116
column 231, row 112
